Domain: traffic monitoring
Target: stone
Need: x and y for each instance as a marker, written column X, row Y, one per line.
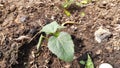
column 102, row 34
column 105, row 65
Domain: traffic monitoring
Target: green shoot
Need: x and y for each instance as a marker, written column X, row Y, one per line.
column 88, row 63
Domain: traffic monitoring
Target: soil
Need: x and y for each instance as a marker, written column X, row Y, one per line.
column 21, row 20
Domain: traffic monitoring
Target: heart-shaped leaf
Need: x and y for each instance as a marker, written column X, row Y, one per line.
column 62, row 46
column 51, row 28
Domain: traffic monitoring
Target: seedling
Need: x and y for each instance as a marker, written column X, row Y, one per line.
column 88, row 63
column 59, row 43
column 68, row 3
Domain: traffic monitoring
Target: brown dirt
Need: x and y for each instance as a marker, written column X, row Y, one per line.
column 26, row 17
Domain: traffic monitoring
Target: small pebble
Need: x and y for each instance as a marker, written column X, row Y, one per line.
column 109, row 48
column 102, row 34
column 67, row 66
column 103, row 3
column 98, row 51
column 21, row 19
column 52, row 17
column 74, row 28
column 1, row 5
column 105, row 65
column 12, row 8
column 0, row 28
column 33, row 31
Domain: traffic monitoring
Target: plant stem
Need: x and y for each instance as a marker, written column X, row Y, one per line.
column 40, row 41
column 56, row 34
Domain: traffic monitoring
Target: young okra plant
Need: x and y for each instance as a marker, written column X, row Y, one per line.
column 59, row 43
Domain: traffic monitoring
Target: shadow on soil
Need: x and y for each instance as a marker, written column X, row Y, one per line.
column 23, row 54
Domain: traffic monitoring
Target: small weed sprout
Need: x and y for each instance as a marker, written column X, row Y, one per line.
column 68, row 3
column 88, row 63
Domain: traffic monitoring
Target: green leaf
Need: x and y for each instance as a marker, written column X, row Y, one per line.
column 84, row 1
column 67, row 12
column 78, row 4
column 50, row 28
column 67, row 3
column 82, row 62
column 89, row 63
column 62, row 46
column 39, row 43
